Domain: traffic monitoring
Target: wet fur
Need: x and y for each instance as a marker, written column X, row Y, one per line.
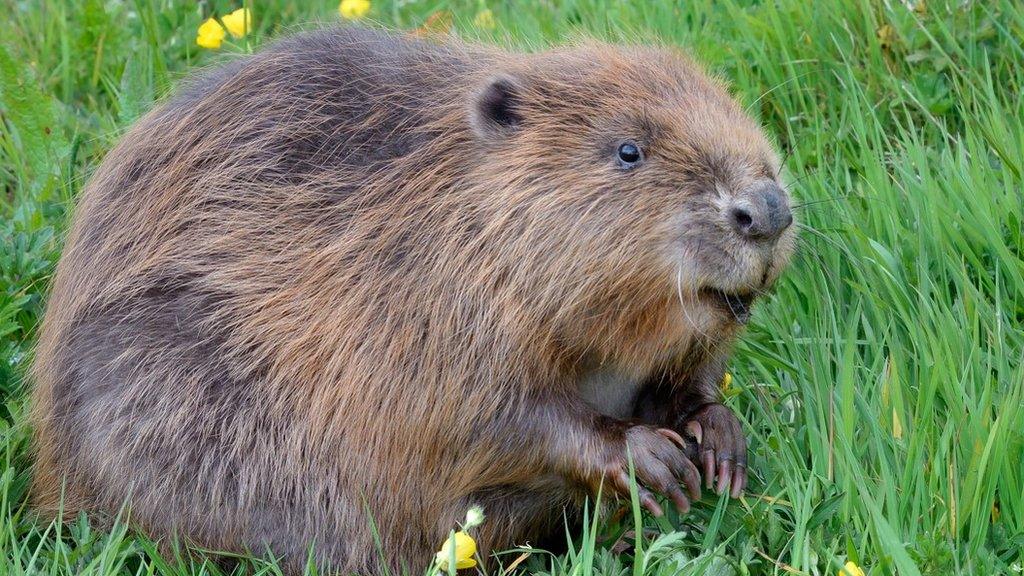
column 312, row 285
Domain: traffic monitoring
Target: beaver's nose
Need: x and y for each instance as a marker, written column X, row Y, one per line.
column 761, row 214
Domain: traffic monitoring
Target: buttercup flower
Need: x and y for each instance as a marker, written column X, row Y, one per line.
column 484, row 19
column 238, row 22
column 210, row 35
column 886, row 36
column 465, row 548
column 353, row 9
column 851, row 569
column 726, row 382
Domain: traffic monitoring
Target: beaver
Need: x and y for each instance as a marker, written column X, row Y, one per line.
column 349, row 286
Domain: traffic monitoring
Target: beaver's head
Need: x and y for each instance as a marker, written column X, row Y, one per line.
column 636, row 179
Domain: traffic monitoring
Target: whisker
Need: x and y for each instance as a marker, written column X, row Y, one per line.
column 816, row 202
column 833, row 242
column 776, row 87
column 789, row 152
column 802, row 177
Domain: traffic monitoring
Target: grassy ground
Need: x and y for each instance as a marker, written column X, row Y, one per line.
column 882, row 386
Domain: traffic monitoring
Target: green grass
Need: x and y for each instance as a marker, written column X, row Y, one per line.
column 882, row 386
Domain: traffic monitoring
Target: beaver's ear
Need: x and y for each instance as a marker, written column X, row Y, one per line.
column 496, row 107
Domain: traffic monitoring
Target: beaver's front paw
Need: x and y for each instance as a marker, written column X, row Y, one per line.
column 660, row 466
column 721, row 447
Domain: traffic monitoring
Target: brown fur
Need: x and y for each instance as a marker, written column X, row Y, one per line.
column 318, row 283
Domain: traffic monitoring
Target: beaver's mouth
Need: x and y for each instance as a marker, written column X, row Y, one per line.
column 734, row 303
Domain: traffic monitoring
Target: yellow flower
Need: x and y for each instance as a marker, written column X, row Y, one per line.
column 465, row 548
column 353, row 9
column 238, row 22
column 210, row 35
column 726, row 382
column 484, row 19
column 851, row 569
column 886, row 36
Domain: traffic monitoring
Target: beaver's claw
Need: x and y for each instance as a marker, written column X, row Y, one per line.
column 721, row 447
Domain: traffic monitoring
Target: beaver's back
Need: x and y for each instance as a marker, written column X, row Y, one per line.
column 288, row 132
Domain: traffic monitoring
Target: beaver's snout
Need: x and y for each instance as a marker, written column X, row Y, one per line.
column 761, row 214
column 751, row 250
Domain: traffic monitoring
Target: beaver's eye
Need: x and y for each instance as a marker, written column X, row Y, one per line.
column 629, row 154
